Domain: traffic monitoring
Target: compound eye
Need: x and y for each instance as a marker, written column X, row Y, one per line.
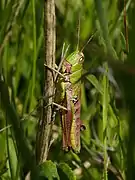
column 81, row 59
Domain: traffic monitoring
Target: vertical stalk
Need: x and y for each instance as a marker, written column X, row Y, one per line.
column 34, row 55
column 105, row 112
column 45, row 122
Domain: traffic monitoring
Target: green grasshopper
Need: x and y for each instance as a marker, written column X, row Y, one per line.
column 70, row 97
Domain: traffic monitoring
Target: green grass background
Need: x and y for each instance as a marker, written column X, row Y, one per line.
column 108, row 90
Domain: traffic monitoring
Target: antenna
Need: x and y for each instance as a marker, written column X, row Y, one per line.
column 91, row 37
column 78, row 32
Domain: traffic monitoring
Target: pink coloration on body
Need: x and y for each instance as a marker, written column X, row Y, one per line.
column 67, row 117
column 68, row 67
column 77, row 109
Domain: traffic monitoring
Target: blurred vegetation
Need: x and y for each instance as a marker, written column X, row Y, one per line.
column 108, row 89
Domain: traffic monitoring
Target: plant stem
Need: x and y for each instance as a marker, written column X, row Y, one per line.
column 45, row 121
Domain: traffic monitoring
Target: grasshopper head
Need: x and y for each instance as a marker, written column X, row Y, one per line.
column 75, row 58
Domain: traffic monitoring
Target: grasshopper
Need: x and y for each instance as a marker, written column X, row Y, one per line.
column 69, row 97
